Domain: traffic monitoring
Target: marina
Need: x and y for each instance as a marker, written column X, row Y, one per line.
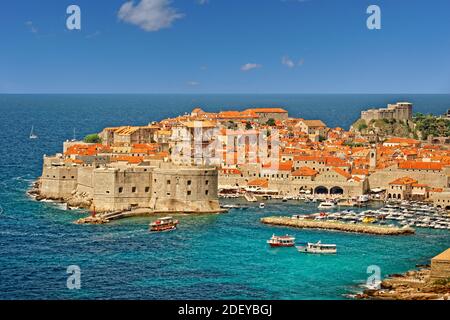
column 336, row 226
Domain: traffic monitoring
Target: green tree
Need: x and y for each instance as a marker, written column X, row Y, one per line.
column 248, row 126
column 271, row 122
column 362, row 126
column 92, row 138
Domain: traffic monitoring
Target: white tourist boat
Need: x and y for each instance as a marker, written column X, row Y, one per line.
column 318, row 247
column 262, row 205
column 326, row 205
column 281, row 241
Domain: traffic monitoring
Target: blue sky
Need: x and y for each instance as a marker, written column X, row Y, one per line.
column 225, row 46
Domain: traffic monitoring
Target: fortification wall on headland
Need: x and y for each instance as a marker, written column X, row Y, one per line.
column 185, row 189
column 58, row 182
column 121, row 189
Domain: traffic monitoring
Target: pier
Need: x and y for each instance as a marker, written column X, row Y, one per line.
column 337, row 226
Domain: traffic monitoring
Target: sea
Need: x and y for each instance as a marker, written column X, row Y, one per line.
column 210, row 256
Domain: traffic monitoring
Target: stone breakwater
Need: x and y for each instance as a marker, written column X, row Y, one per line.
column 412, row 285
column 337, row 226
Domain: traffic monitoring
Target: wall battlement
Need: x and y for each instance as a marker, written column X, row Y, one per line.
column 161, row 188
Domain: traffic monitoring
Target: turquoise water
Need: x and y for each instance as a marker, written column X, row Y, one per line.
column 215, row 257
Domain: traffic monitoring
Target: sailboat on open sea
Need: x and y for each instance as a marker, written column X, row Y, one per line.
column 32, row 134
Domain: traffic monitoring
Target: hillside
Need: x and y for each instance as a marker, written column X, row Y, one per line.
column 420, row 127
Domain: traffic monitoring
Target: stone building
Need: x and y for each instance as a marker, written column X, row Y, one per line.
column 314, row 128
column 128, row 135
column 430, row 173
column 406, row 188
column 264, row 114
column 399, row 111
column 440, row 266
column 160, row 186
column 441, row 199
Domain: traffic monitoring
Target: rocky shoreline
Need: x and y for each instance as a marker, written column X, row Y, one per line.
column 76, row 201
column 411, row 285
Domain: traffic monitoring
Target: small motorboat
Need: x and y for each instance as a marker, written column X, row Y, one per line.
column 369, row 219
column 230, row 206
column 326, row 205
column 262, row 205
column 164, row 224
column 281, row 241
column 318, row 248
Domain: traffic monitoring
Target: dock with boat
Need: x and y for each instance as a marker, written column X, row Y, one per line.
column 337, row 226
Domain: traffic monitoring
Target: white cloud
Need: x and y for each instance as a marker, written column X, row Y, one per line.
column 202, row 2
column 150, row 15
column 31, row 26
column 193, row 83
column 250, row 66
column 287, row 62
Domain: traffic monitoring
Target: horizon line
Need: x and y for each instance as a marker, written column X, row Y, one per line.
column 224, row 93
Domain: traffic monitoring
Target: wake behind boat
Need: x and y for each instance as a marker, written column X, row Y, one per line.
column 32, row 134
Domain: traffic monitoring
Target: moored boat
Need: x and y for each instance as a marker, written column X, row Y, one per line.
column 281, row 241
column 318, row 248
column 326, row 205
column 164, row 224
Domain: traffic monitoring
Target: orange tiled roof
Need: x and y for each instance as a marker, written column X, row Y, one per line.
column 267, row 110
column 420, row 165
column 305, row 172
column 404, row 181
column 342, row 172
column 258, row 183
column 360, row 171
column 402, row 140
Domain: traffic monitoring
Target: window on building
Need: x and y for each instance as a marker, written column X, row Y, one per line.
column 120, row 189
column 168, row 182
column 189, row 192
column 206, row 192
column 147, row 189
column 189, row 182
column 133, row 189
column 207, row 182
